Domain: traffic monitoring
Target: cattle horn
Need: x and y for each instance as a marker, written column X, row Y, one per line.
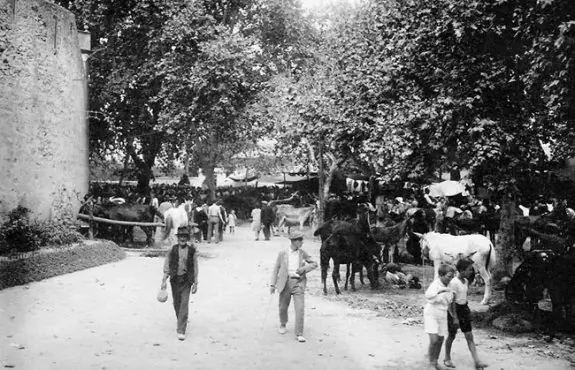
column 419, row 235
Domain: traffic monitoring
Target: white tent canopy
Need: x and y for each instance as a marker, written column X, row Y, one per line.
column 446, row 189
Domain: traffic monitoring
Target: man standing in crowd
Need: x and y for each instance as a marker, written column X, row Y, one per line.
column 289, row 278
column 268, row 218
column 181, row 265
column 222, row 225
column 214, row 220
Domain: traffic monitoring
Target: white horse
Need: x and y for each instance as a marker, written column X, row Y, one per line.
column 449, row 248
column 173, row 218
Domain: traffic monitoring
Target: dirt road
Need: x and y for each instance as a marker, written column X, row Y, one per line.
column 107, row 318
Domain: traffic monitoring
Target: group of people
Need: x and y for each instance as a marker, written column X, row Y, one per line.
column 212, row 222
column 288, row 279
column 447, row 311
column 263, row 218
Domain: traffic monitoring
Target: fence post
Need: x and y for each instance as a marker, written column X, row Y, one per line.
column 91, row 222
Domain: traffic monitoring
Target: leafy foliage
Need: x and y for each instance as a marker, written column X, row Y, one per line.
column 21, row 234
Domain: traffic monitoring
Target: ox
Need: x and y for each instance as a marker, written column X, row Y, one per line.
column 343, row 242
column 288, row 215
column 448, row 248
column 129, row 213
column 173, row 219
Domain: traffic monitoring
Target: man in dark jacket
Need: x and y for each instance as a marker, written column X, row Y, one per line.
column 268, row 218
column 222, row 225
column 181, row 265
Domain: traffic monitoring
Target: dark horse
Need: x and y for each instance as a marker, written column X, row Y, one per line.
column 344, row 242
column 546, row 269
column 127, row 213
column 390, row 236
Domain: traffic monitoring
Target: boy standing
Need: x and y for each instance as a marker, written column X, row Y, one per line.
column 439, row 298
column 181, row 265
column 459, row 316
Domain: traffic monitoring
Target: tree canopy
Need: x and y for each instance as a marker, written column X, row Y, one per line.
column 398, row 89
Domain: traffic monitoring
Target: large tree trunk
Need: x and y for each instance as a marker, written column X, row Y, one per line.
column 321, row 194
column 124, row 169
column 151, row 146
column 505, row 245
column 210, row 181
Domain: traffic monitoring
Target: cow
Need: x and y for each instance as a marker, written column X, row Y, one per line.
column 128, row 213
column 289, row 215
column 344, row 242
column 174, row 218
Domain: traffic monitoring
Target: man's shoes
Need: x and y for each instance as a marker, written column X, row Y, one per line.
column 301, row 338
column 282, row 330
column 181, row 336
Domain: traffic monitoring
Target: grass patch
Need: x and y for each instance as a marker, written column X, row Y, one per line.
column 48, row 263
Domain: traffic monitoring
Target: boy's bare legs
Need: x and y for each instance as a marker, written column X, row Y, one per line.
column 472, row 349
column 448, row 342
column 435, row 343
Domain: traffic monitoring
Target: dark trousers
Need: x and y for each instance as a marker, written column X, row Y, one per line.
column 221, row 229
column 204, row 228
column 181, row 293
column 267, row 231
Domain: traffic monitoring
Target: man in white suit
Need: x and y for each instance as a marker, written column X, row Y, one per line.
column 289, row 278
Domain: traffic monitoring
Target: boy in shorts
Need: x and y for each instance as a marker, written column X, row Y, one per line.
column 439, row 298
column 459, row 316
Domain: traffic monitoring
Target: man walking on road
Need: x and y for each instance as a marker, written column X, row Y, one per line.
column 181, row 265
column 268, row 218
column 289, row 278
column 214, row 220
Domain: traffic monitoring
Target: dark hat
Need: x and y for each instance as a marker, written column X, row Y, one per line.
column 183, row 231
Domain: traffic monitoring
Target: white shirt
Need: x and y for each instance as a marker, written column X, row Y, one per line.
column 451, row 211
column 459, row 290
column 214, row 210
column 525, row 210
column 293, row 262
column 437, row 303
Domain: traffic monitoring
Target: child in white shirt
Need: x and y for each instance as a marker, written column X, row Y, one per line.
column 232, row 221
column 439, row 298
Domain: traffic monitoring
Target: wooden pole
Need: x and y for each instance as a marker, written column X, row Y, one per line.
column 121, row 223
column 91, row 221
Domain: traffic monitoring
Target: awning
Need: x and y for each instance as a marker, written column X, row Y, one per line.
column 235, row 177
column 290, row 179
column 446, row 189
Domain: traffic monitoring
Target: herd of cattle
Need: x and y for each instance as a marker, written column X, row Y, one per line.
column 366, row 236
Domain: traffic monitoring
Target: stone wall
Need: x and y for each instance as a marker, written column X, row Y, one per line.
column 43, row 99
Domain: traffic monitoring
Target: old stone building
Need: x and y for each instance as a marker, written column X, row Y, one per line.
column 43, row 98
